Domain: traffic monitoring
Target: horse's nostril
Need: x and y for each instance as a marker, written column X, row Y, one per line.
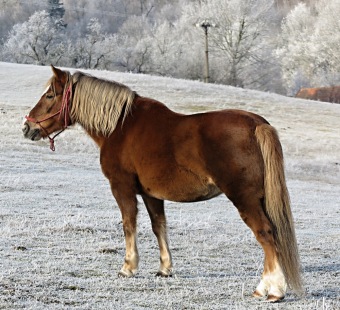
column 25, row 128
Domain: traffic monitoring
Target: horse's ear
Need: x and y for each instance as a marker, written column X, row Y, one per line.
column 59, row 74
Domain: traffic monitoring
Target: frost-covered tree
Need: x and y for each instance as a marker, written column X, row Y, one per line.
column 35, row 41
column 310, row 48
column 152, row 43
column 294, row 54
column 239, row 45
column 95, row 49
column 15, row 11
column 57, row 11
column 164, row 50
column 183, row 50
column 326, row 42
column 78, row 14
column 134, row 46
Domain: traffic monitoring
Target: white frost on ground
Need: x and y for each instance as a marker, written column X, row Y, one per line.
column 61, row 240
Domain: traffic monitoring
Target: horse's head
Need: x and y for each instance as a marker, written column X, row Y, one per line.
column 51, row 113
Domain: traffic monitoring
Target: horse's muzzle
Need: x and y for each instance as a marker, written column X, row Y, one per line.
column 29, row 133
column 25, row 129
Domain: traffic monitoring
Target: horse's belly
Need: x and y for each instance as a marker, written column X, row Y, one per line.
column 188, row 189
column 206, row 193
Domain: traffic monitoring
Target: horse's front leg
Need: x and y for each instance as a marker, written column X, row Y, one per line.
column 127, row 202
column 155, row 208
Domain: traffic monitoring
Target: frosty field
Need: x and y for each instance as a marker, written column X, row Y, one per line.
column 61, row 238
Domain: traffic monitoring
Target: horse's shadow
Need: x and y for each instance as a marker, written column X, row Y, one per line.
column 325, row 268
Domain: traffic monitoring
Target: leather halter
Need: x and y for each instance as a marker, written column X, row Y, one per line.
column 64, row 113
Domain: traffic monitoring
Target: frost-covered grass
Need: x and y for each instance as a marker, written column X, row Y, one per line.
column 61, row 239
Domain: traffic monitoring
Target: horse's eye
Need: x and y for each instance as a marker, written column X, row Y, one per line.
column 49, row 96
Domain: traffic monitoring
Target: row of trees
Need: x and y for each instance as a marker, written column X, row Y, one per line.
column 253, row 45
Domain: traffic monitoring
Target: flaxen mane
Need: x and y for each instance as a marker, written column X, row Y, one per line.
column 97, row 104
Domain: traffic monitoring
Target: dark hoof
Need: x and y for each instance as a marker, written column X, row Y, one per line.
column 258, row 295
column 163, row 274
column 272, row 298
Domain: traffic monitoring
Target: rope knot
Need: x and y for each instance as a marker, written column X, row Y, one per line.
column 52, row 147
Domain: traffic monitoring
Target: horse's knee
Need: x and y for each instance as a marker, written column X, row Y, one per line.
column 264, row 235
column 258, row 222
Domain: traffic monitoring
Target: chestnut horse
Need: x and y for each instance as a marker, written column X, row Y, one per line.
column 327, row 94
column 148, row 150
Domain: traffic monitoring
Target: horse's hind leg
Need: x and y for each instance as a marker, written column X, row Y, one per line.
column 273, row 283
column 155, row 208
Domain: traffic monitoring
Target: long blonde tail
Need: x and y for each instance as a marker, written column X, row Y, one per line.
column 277, row 205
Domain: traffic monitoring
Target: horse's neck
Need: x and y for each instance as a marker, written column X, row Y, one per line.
column 97, row 138
column 145, row 105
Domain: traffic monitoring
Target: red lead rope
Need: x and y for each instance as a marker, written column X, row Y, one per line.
column 64, row 110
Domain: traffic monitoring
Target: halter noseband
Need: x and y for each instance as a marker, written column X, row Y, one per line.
column 63, row 112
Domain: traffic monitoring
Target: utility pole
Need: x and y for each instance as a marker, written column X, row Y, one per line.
column 205, row 24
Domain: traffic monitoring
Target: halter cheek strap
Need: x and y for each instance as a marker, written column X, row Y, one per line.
column 63, row 112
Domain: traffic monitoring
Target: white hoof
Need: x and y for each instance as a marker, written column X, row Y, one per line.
column 126, row 273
